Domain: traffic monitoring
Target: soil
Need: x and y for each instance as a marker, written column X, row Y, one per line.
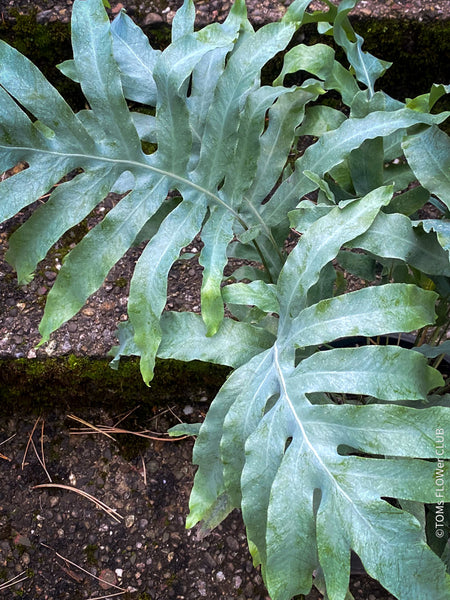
column 48, row 534
column 57, row 542
column 150, row 12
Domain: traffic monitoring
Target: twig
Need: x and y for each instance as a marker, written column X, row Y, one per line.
column 174, row 414
column 29, row 442
column 42, row 452
column 13, row 581
column 4, row 457
column 7, row 440
column 126, row 415
column 41, row 462
column 144, row 470
column 108, row 595
column 90, row 426
column 122, row 590
column 112, row 512
column 107, row 430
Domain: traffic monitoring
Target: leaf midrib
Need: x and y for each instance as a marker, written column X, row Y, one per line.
column 135, row 165
column 308, row 442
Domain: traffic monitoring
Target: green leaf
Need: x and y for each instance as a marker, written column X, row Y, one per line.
column 366, row 166
column 284, row 116
column 366, row 312
column 136, row 60
column 183, row 22
column 331, row 149
column 393, row 236
column 210, row 502
column 256, row 293
column 442, row 229
column 184, row 338
column 425, row 102
column 319, row 245
column 217, row 233
column 148, row 288
column 108, row 242
column 434, row 351
column 68, row 204
column 357, row 371
column 428, row 155
column 267, row 449
column 320, row 119
column 184, row 429
column 361, row 265
column 100, row 78
column 319, row 60
column 408, row 202
column 28, row 86
column 367, row 67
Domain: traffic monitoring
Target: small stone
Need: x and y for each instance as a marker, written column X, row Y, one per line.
column 220, row 576
column 188, row 410
column 72, row 327
column 129, row 521
column 232, row 543
column 116, row 8
column 372, row 597
column 50, row 275
column 42, row 290
column 152, row 18
column 249, row 590
column 89, row 312
column 201, row 586
column 237, row 582
column 50, row 348
column 108, row 578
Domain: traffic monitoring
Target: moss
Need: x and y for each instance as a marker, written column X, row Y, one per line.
column 121, row 282
column 415, row 49
column 46, row 45
column 38, row 385
column 90, row 551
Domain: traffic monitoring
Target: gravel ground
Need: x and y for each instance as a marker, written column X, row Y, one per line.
column 61, row 542
column 149, row 12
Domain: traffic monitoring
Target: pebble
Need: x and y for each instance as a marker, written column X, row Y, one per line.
column 201, row 586
column 232, row 543
column 108, row 577
column 129, row 521
column 152, row 18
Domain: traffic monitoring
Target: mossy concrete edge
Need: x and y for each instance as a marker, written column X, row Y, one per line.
column 69, row 382
column 416, row 48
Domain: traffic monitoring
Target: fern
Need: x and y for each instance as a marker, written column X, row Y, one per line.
column 321, row 447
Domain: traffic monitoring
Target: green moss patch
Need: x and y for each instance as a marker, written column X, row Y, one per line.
column 72, row 382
